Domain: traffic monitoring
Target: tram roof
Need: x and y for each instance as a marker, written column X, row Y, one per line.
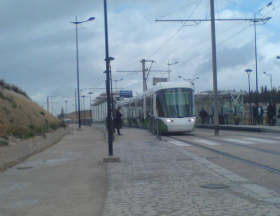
column 222, row 94
column 161, row 85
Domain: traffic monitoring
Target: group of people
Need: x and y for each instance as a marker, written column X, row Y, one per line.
column 272, row 114
column 257, row 111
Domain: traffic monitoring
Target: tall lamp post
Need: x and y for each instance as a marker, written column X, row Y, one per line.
column 66, row 109
column 77, row 48
column 108, row 72
column 270, row 78
column 248, row 71
column 90, row 93
column 116, row 83
column 84, row 109
column 169, row 69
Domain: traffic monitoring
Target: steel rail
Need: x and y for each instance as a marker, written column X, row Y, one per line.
column 231, row 156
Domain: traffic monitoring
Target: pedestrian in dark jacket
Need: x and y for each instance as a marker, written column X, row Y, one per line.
column 255, row 114
column 203, row 115
column 270, row 114
column 118, row 119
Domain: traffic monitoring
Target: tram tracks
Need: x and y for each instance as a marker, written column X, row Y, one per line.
column 268, row 168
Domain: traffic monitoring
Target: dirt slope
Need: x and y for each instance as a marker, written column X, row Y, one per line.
column 21, row 118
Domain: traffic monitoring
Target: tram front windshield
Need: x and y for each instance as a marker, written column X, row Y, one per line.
column 174, row 103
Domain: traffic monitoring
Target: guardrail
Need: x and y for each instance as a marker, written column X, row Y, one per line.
column 155, row 127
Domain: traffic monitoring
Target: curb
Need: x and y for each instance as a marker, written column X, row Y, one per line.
column 13, row 154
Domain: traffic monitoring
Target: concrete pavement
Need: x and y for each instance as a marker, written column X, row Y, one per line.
column 65, row 179
column 157, row 178
column 154, row 178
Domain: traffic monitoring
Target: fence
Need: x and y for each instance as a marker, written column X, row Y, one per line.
column 155, row 127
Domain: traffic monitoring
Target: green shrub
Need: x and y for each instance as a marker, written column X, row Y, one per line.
column 42, row 113
column 4, row 143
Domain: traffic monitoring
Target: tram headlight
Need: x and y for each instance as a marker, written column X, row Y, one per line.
column 169, row 120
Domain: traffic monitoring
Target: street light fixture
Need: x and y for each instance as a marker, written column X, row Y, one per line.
column 116, row 83
column 270, row 78
column 90, row 93
column 84, row 109
column 169, row 69
column 66, row 109
column 248, row 71
column 278, row 57
column 77, row 48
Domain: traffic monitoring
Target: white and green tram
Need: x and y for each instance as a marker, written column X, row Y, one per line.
column 172, row 102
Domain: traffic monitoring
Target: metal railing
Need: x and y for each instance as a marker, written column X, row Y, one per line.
column 155, row 127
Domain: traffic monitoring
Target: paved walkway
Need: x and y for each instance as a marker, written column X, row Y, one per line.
column 155, row 178
column 66, row 179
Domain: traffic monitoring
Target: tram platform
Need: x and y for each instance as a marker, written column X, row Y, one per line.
column 251, row 128
column 153, row 178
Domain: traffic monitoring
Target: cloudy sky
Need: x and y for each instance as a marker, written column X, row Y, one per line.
column 38, row 45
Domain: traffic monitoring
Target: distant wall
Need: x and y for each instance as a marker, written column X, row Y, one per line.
column 15, row 153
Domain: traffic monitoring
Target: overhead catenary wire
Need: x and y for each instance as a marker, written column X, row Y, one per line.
column 207, row 40
column 211, row 48
column 178, row 9
column 244, row 8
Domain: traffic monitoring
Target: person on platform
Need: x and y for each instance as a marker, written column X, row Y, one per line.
column 270, row 114
column 203, row 115
column 255, row 113
column 260, row 115
column 118, row 119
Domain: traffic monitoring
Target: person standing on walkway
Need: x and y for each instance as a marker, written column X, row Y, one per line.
column 274, row 118
column 118, row 119
column 260, row 115
column 203, row 115
column 255, row 114
column 270, row 114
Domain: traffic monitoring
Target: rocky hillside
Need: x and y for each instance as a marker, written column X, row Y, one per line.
column 20, row 117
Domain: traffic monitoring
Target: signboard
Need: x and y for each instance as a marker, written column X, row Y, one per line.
column 158, row 79
column 126, row 93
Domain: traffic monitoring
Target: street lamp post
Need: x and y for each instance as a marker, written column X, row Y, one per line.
column 248, row 71
column 66, row 109
column 84, row 109
column 77, row 48
column 169, row 69
column 90, row 93
column 116, row 83
column 110, row 128
column 270, row 78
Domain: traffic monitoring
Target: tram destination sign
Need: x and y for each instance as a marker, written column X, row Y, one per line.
column 126, row 93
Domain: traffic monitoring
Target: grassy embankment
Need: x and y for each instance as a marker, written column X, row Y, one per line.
column 20, row 117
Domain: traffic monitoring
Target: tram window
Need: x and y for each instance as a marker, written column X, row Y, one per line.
column 132, row 110
column 176, row 102
column 149, row 105
column 140, row 108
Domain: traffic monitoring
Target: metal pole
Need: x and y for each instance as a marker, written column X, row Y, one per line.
column 168, row 71
column 250, row 98
column 110, row 140
column 256, row 60
column 214, row 65
column 76, row 105
column 78, row 82
column 48, row 103
column 144, row 76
